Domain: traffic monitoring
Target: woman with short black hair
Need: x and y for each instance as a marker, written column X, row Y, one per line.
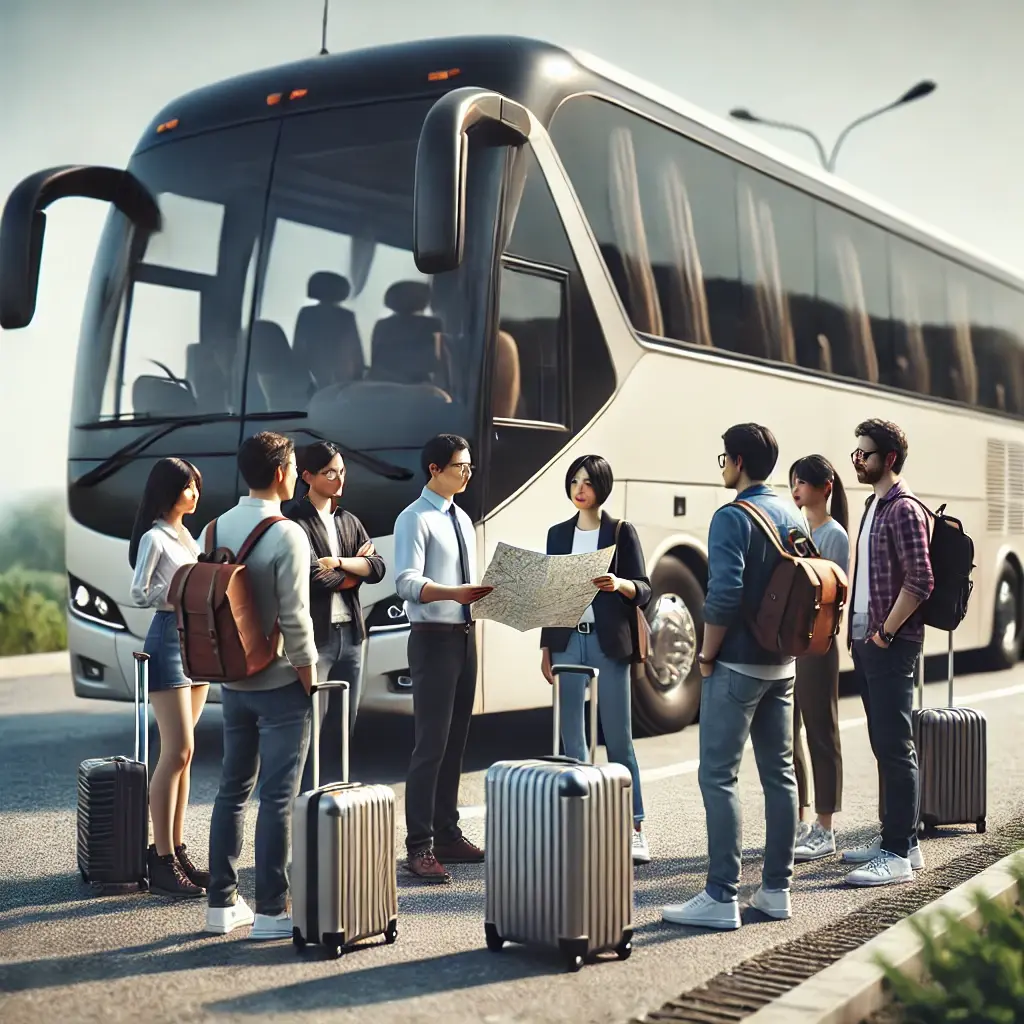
column 605, row 637
column 159, row 546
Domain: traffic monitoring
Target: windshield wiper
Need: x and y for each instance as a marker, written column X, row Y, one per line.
column 110, row 465
column 388, row 470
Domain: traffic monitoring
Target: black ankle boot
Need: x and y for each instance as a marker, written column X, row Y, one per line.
column 167, row 879
column 189, row 870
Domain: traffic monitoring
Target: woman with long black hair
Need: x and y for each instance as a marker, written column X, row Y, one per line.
column 160, row 544
column 815, row 482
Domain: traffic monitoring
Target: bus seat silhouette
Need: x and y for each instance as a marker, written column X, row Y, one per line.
column 327, row 341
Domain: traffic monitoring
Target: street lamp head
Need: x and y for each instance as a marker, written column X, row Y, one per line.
column 925, row 88
column 742, row 114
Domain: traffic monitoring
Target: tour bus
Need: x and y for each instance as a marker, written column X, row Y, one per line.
column 515, row 242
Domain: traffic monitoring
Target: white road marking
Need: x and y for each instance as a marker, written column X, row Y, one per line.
column 671, row 771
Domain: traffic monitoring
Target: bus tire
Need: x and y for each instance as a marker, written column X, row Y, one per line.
column 666, row 688
column 1004, row 649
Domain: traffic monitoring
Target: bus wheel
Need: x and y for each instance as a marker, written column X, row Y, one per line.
column 666, row 688
column 1004, row 650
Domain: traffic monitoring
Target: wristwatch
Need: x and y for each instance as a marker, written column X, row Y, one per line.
column 887, row 637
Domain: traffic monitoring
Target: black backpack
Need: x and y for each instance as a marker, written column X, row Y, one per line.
column 952, row 556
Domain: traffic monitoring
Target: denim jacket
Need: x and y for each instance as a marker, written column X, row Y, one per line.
column 740, row 563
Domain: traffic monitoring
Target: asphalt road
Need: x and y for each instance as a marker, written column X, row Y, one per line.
column 69, row 955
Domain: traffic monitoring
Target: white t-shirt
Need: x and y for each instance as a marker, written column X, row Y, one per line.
column 339, row 610
column 583, row 541
column 862, row 571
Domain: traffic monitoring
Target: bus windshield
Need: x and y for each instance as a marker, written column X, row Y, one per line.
column 283, row 285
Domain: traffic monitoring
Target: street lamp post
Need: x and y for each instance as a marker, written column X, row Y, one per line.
column 919, row 91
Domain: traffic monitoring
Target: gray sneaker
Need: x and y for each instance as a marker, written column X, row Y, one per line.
column 819, row 843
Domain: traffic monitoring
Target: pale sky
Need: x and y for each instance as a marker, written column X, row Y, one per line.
column 82, row 78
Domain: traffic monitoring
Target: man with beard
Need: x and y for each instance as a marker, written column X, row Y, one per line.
column 892, row 577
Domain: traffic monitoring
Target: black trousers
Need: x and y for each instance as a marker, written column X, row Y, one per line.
column 887, row 691
column 816, row 707
column 442, row 663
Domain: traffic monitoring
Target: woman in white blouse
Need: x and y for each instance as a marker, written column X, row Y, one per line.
column 160, row 544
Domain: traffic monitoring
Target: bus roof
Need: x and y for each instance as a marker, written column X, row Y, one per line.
column 524, row 70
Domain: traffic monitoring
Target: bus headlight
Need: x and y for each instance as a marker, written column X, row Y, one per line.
column 93, row 605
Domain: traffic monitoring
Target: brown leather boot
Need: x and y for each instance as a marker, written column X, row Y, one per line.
column 424, row 866
column 461, row 851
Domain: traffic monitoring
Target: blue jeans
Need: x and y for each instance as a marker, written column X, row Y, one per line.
column 734, row 706
column 338, row 658
column 266, row 733
column 613, row 705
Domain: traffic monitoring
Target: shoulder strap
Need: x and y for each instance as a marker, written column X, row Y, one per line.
column 765, row 523
column 615, row 557
column 210, row 538
column 261, row 528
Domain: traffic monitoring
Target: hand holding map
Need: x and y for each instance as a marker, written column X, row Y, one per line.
column 532, row 590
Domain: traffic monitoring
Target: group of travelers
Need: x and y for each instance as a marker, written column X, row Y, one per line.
column 306, row 574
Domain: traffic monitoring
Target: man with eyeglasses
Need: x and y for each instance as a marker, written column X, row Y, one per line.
column 892, row 577
column 435, row 565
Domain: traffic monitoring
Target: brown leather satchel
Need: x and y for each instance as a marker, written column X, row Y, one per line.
column 802, row 607
column 641, row 628
column 219, row 627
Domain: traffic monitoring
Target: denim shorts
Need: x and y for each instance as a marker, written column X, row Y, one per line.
column 165, row 669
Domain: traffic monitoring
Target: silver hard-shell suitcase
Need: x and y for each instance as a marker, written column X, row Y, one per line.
column 344, row 876
column 559, row 865
column 952, row 759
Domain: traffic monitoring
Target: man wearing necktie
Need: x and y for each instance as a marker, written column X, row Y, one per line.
column 435, row 565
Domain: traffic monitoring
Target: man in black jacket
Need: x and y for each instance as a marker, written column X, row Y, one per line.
column 342, row 556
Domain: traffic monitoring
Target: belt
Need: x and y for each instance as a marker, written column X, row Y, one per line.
column 584, row 627
column 441, row 627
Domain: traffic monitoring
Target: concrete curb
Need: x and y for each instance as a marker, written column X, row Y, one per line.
column 854, row 987
column 20, row 666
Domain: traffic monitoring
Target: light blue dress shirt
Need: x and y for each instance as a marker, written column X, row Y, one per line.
column 427, row 551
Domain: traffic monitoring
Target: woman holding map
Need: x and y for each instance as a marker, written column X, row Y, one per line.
column 605, row 638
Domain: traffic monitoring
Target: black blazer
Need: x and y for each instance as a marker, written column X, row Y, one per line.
column 614, row 614
column 323, row 583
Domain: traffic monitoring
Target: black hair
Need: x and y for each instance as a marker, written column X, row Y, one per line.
column 312, row 458
column 438, row 451
column 166, row 481
column 888, row 437
column 756, row 445
column 261, row 456
column 600, row 473
column 817, row 471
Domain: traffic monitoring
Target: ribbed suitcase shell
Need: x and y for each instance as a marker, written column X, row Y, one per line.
column 113, row 823
column 343, row 877
column 559, row 867
column 953, row 764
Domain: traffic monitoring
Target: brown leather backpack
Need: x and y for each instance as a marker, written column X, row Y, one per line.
column 219, row 627
column 802, row 607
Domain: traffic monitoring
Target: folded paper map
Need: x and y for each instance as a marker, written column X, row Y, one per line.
column 532, row 590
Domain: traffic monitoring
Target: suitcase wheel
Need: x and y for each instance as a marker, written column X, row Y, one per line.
column 391, row 932
column 494, row 940
column 980, row 824
column 297, row 939
column 573, row 951
column 334, row 945
column 625, row 947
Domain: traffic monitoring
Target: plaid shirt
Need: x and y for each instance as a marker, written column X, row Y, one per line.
column 899, row 559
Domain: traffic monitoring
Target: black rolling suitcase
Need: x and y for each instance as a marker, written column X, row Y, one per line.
column 952, row 756
column 113, row 804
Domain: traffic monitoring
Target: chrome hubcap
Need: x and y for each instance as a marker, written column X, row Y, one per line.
column 1006, row 611
column 673, row 643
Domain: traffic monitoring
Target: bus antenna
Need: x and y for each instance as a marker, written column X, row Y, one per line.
column 323, row 35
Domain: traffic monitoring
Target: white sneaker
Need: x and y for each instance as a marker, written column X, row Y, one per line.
column 863, row 854
column 773, row 903
column 222, row 920
column 803, row 830
column 703, row 911
column 886, row 869
column 277, row 927
column 641, row 851
column 819, row 842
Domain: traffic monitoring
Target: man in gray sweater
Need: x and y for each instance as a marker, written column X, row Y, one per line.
column 267, row 716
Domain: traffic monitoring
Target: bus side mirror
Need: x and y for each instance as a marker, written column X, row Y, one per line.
column 23, row 226
column 439, row 202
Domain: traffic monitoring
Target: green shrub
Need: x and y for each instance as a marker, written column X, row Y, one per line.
column 32, row 535
column 32, row 617
column 972, row 976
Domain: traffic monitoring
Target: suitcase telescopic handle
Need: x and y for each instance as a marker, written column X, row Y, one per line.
column 318, row 688
column 141, row 707
column 592, row 675
column 949, row 675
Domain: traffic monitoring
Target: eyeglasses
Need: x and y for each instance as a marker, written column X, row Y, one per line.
column 465, row 468
column 331, row 474
column 859, row 455
column 721, row 460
